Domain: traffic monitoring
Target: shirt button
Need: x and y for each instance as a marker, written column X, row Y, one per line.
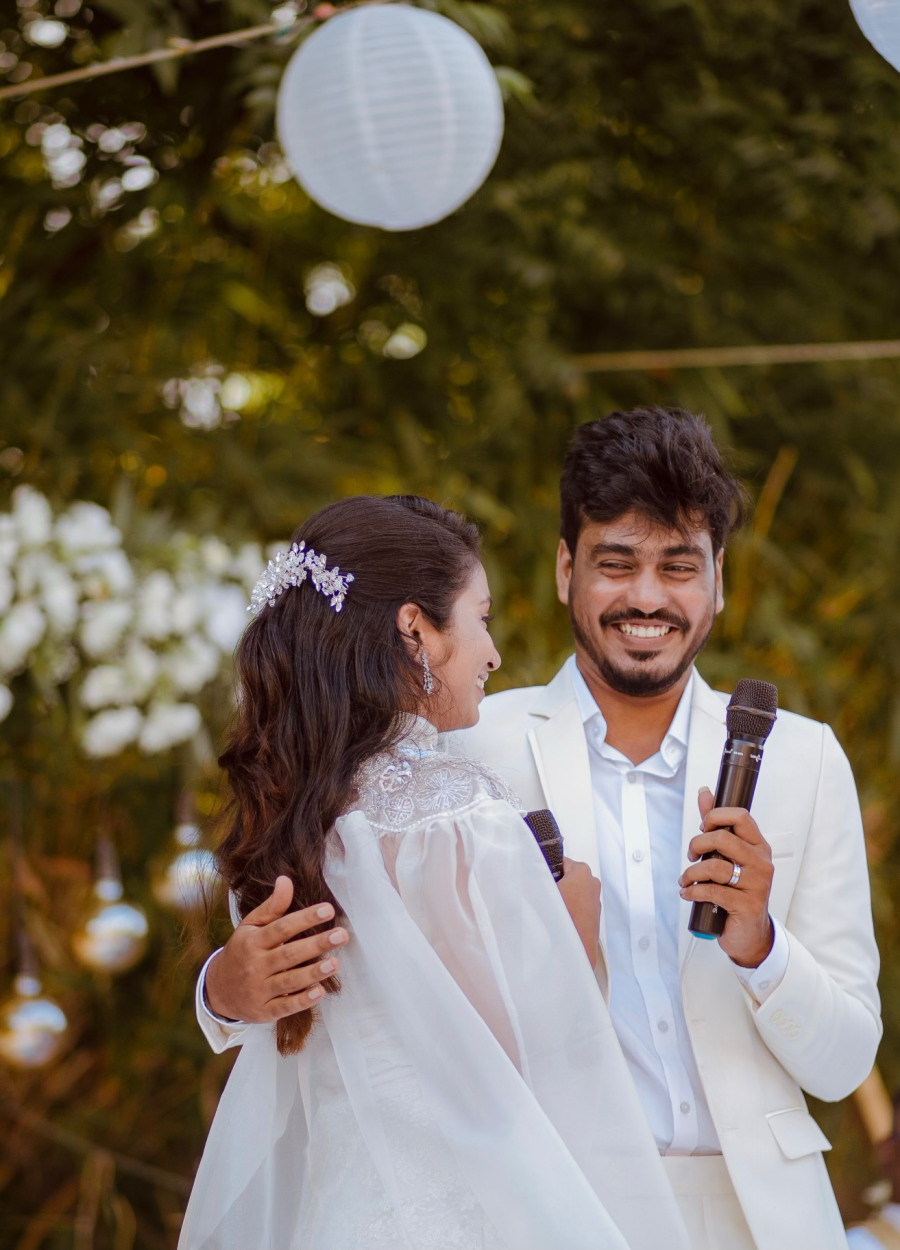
column 685, row 1108
column 764, row 985
column 644, row 943
column 662, row 1026
column 631, row 778
column 637, row 856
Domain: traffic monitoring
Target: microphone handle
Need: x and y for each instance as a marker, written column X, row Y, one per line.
column 737, row 782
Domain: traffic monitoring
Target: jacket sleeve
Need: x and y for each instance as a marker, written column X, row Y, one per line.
column 221, row 1034
column 823, row 1021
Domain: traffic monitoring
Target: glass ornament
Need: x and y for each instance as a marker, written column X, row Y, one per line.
column 191, row 876
column 114, row 935
column 880, row 23
column 390, row 116
column 33, row 1027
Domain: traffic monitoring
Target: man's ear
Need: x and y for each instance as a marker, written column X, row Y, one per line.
column 720, row 594
column 563, row 571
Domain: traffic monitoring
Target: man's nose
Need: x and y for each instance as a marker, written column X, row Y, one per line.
column 646, row 591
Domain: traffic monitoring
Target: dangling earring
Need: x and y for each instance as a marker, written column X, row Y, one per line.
column 427, row 679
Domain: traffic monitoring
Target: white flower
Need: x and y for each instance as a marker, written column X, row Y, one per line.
column 187, row 611
column 168, row 724
column 103, row 626
column 105, row 684
column 215, row 556
column 33, row 517
column 20, row 632
column 6, row 702
column 142, row 669
column 226, row 615
column 248, row 564
column 87, row 527
column 59, row 597
column 105, row 572
column 154, row 606
column 9, row 539
column 109, row 732
column 7, row 588
column 193, row 664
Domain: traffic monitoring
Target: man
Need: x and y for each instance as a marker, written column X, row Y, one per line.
column 720, row 1037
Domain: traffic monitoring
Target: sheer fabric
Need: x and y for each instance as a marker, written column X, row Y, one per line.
column 465, row 1090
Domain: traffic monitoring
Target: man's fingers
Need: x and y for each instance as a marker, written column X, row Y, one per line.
column 295, row 980
column 278, row 1008
column 707, row 892
column 726, row 843
column 304, row 950
column 294, row 923
column 736, row 818
column 274, row 906
column 714, row 870
column 706, row 801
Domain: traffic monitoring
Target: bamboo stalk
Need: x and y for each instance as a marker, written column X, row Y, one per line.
column 727, row 357
column 875, row 1108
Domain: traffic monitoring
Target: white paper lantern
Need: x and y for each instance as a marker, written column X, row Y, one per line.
column 390, row 116
column 879, row 21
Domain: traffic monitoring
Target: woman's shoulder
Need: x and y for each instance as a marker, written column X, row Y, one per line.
column 399, row 789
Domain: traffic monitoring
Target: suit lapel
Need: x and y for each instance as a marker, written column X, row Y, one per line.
column 560, row 753
column 705, row 743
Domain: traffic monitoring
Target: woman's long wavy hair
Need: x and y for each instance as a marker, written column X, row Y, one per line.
column 320, row 692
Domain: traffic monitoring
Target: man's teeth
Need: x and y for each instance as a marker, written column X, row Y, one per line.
column 481, row 681
column 644, row 631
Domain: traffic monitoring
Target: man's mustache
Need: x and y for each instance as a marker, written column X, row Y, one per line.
column 661, row 616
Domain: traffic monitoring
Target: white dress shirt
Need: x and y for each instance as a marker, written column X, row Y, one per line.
column 638, row 814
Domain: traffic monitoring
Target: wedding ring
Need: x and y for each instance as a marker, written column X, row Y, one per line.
column 735, row 874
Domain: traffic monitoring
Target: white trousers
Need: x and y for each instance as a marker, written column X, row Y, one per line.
column 706, row 1196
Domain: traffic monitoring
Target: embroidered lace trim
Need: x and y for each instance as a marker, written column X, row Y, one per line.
column 403, row 790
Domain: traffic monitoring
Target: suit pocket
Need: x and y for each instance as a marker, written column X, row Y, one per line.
column 783, row 845
column 797, row 1132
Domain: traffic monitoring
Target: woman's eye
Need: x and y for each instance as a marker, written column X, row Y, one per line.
column 487, row 619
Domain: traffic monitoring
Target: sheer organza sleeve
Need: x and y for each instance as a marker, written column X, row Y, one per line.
column 463, row 929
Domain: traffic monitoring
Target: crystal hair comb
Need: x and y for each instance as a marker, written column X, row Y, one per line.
column 290, row 568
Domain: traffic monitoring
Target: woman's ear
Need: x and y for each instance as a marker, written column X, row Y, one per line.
column 410, row 622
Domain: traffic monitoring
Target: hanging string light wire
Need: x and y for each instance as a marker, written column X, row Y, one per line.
column 178, row 48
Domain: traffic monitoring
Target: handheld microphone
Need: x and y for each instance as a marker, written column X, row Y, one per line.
column 548, row 837
column 750, row 717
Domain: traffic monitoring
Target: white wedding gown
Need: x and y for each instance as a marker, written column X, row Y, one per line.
column 465, row 1089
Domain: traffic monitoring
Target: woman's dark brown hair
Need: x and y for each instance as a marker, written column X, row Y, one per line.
column 320, row 692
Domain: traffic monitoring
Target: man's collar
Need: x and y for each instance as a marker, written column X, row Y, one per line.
column 679, row 728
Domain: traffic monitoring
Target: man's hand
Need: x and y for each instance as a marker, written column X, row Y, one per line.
column 580, row 891
column 261, row 974
column 748, row 934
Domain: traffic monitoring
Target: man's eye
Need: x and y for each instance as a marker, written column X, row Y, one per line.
column 680, row 568
column 613, row 566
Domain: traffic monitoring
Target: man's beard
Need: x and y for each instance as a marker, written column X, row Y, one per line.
column 635, row 682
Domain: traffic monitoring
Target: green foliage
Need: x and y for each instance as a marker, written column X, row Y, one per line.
column 673, row 174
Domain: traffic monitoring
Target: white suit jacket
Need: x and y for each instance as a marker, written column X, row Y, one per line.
column 819, row 1030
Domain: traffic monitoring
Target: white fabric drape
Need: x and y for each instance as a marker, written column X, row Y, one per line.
column 465, row 1089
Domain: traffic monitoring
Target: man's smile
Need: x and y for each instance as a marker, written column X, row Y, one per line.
column 654, row 629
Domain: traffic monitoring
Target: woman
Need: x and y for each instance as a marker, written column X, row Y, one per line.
column 461, row 1087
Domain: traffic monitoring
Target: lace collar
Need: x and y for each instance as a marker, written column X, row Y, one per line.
column 419, row 737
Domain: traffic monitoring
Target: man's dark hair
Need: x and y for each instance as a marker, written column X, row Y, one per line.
column 661, row 463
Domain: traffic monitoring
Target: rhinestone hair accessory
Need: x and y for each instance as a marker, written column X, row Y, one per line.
column 290, row 568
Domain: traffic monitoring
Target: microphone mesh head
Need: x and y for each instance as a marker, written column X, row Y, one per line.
column 752, row 709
